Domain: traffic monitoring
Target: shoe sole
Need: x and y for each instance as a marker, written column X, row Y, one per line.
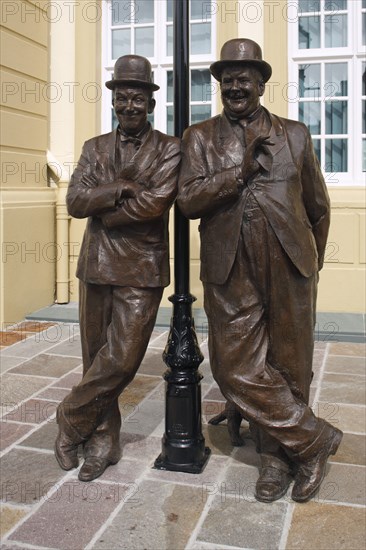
column 332, row 451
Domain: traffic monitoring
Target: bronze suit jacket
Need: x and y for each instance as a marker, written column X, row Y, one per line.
column 130, row 248
column 289, row 188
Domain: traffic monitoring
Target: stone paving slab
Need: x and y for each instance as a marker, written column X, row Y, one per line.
column 168, row 510
column 325, row 527
column 343, row 388
column 17, row 387
column 244, row 524
column 160, row 515
column 27, row 476
column 47, row 365
column 71, row 515
column 10, row 432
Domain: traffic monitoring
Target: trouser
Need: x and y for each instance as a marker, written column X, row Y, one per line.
column 115, row 326
column 261, row 323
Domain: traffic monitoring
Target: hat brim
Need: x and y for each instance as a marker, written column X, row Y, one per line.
column 111, row 84
column 264, row 68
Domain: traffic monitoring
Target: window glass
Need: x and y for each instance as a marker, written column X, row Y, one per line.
column 144, row 41
column 309, row 32
column 169, row 86
column 336, row 155
column 335, row 27
column 336, row 78
column 170, row 120
column 200, row 38
column 121, row 42
column 200, row 9
column 144, row 11
column 200, row 85
column 309, row 80
column 309, row 114
column 308, row 6
column 200, row 113
column 122, row 12
column 169, row 40
column 336, row 117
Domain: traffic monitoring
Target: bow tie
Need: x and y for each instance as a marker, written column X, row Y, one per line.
column 130, row 139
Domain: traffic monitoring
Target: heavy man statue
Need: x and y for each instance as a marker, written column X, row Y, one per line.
column 124, row 183
column 255, row 182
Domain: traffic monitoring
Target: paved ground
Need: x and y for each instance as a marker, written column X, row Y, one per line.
column 133, row 506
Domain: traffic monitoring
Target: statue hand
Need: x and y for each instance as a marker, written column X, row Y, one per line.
column 250, row 165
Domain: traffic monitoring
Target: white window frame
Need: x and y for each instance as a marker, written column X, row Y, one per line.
column 161, row 63
column 353, row 54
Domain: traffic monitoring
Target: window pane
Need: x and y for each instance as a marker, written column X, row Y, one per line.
column 316, row 143
column 114, row 120
column 336, row 79
column 309, row 114
column 336, row 117
column 169, row 10
column 363, row 77
column 364, row 4
column 200, row 85
column 144, row 41
column 123, row 12
column 306, row 6
column 364, row 155
column 121, row 42
column 364, row 29
column 309, row 80
column 309, row 32
column 169, row 121
column 201, row 38
column 201, row 9
column 199, row 113
column 144, row 11
column 335, row 5
column 169, row 86
column 336, row 155
column 335, row 27
column 364, row 117
column 169, row 40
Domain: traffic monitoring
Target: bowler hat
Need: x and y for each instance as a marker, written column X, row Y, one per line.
column 241, row 51
column 132, row 69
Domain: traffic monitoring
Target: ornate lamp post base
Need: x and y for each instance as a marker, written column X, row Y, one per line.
column 183, row 445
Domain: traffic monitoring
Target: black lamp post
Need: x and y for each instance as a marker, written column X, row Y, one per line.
column 183, row 445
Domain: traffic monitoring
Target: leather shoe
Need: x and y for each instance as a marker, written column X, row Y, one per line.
column 66, row 451
column 272, row 484
column 311, row 473
column 93, row 467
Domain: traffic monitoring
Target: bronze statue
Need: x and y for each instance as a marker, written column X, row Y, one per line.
column 124, row 183
column 254, row 180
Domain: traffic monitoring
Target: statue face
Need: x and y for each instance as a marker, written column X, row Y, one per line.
column 132, row 105
column 241, row 88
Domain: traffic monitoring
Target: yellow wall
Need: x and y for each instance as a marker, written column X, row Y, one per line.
column 27, row 203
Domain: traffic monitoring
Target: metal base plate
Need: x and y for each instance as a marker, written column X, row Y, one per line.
column 197, row 468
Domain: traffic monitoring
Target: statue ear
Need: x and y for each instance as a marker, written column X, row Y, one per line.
column 261, row 87
column 151, row 106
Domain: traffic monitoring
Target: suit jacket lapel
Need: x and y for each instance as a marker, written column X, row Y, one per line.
column 230, row 144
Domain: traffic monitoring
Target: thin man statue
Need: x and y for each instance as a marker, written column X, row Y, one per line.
column 125, row 183
column 254, row 180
